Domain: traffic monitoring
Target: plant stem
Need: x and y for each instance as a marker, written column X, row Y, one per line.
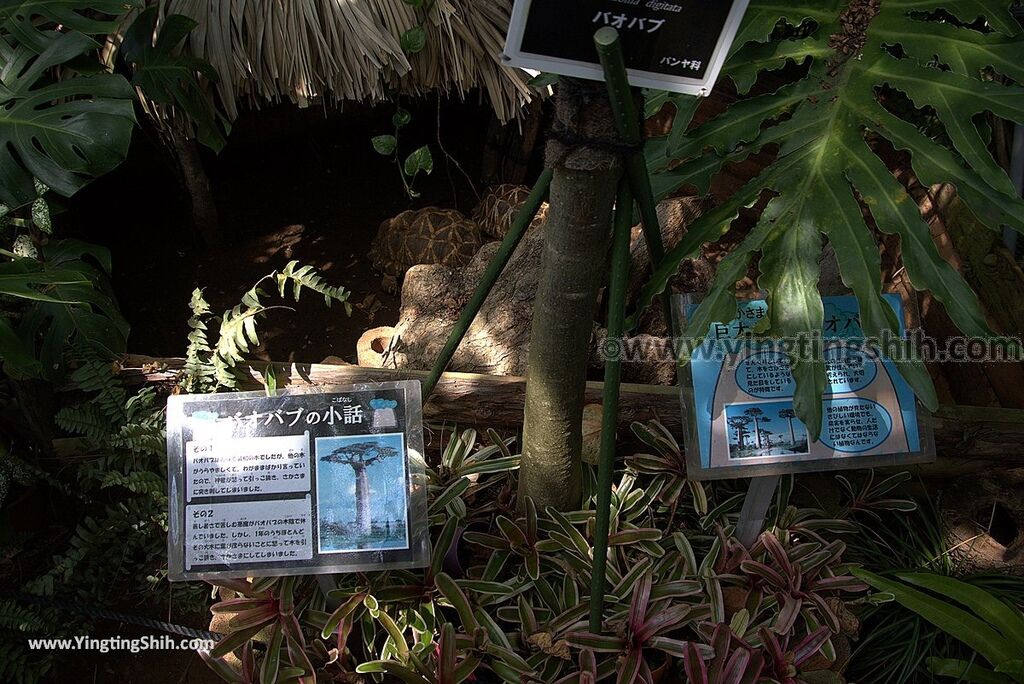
column 490, row 277
column 612, row 378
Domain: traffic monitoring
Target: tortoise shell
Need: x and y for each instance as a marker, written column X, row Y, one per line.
column 499, row 207
column 425, row 236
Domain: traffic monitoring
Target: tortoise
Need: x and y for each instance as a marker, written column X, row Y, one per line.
column 423, row 236
column 499, row 207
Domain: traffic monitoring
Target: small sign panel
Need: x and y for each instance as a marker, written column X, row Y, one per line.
column 739, row 399
column 679, row 46
column 296, row 483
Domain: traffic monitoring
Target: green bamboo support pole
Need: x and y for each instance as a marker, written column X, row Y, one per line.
column 627, row 121
column 490, row 277
column 612, row 378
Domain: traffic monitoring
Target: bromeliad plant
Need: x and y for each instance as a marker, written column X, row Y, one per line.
column 507, row 600
column 918, row 78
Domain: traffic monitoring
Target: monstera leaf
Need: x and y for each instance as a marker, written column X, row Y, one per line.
column 170, row 78
column 71, row 304
column 32, row 22
column 875, row 74
column 63, row 132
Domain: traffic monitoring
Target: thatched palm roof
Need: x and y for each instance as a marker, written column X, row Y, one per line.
column 335, row 50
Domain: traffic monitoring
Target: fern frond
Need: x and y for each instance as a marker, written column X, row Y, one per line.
column 19, row 665
column 138, row 482
column 87, row 420
column 238, row 334
column 99, row 377
column 307, row 277
column 199, row 375
column 141, row 438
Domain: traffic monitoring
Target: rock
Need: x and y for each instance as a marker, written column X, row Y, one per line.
column 374, row 347
column 433, row 298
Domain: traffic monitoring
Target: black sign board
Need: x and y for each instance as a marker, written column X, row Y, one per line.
column 676, row 45
column 296, row 483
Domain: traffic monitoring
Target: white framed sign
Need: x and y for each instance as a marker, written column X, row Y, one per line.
column 300, row 482
column 675, row 45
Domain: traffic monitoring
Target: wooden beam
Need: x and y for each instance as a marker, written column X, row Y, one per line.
column 968, row 439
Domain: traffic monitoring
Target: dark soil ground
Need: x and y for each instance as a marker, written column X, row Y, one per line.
column 291, row 184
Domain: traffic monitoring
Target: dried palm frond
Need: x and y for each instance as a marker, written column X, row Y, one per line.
column 336, row 50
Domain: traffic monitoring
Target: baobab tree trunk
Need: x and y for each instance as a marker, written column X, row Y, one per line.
column 587, row 165
column 363, row 520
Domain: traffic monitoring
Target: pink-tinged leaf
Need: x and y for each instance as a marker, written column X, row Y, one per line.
column 297, row 656
column 236, row 639
column 771, row 644
column 220, row 668
column 531, row 521
column 446, row 657
column 256, row 616
column 772, row 545
column 527, row 616
column 645, row 676
column 650, row 464
column 764, row 572
column 753, row 671
column 443, row 545
column 676, row 589
column 465, row 669
column 241, row 605
column 287, row 595
column 673, row 647
column 887, row 485
column 641, row 598
column 344, row 632
column 634, row 536
column 810, row 645
column 735, row 668
column 828, row 616
column 248, row 658
column 598, row 643
column 588, row 663
column 292, row 630
column 788, row 614
column 844, row 583
column 630, row 667
column 511, row 532
column 662, row 621
column 489, row 541
column 451, row 591
column 532, row 562
column 272, row 658
column 720, row 639
column 694, row 667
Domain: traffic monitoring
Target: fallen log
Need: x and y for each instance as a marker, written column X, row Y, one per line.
column 968, row 439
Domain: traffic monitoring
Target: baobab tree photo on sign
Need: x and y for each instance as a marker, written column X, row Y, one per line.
column 752, row 433
column 361, row 493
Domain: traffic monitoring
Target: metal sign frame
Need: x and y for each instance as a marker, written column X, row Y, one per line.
column 514, row 56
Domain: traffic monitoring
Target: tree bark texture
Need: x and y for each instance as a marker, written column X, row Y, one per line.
column 587, row 167
column 205, row 216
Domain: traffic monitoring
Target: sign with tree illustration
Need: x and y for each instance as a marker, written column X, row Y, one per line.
column 679, row 46
column 296, row 483
column 739, row 393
